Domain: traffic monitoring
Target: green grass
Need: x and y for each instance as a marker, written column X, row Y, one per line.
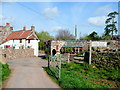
column 87, row 76
column 4, row 71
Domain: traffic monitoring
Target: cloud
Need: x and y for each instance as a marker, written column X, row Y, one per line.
column 56, row 28
column 104, row 10
column 51, row 12
column 98, row 21
column 3, row 19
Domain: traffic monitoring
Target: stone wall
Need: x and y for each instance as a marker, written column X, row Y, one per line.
column 57, row 45
column 107, row 59
column 2, row 59
column 18, row 53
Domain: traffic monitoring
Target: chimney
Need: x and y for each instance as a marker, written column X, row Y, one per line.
column 24, row 28
column 33, row 28
column 11, row 28
column 8, row 24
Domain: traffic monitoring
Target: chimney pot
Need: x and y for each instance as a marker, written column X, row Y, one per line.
column 24, row 28
column 7, row 23
column 32, row 27
column 11, row 28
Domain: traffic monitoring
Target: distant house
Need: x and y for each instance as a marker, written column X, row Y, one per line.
column 5, row 31
column 116, row 37
column 22, row 39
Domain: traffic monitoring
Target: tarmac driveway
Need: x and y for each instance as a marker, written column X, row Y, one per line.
column 28, row 73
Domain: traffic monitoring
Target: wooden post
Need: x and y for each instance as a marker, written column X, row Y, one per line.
column 68, row 57
column 59, row 67
column 78, row 49
column 90, row 52
column 48, row 61
column 75, row 50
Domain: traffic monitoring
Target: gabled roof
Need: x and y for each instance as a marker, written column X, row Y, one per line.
column 22, row 34
column 25, row 34
column 32, row 37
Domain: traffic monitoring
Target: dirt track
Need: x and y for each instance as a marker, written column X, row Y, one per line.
column 28, row 73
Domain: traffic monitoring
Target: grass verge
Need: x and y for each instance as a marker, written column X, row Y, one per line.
column 87, row 76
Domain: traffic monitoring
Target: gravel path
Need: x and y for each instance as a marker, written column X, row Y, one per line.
column 28, row 73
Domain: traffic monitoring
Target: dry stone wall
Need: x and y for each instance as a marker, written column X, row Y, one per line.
column 2, row 59
column 106, row 59
column 10, row 53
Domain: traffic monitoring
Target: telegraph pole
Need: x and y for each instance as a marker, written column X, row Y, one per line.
column 75, row 31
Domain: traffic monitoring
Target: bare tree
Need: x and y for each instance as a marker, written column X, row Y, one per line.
column 64, row 35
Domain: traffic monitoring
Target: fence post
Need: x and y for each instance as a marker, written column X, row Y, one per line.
column 90, row 52
column 60, row 68
column 68, row 58
column 48, row 61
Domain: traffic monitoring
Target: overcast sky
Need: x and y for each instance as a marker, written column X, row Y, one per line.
column 53, row 16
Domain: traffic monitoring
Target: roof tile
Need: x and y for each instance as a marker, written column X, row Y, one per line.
column 32, row 37
column 19, row 34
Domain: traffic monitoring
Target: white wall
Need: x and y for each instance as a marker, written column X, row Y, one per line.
column 6, row 43
column 16, row 43
column 33, row 44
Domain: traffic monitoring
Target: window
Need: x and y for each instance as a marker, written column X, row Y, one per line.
column 20, row 40
column 29, row 41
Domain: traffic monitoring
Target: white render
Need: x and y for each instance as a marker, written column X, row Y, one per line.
column 17, row 45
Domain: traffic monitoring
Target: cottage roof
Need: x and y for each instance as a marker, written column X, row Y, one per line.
column 32, row 37
column 22, row 34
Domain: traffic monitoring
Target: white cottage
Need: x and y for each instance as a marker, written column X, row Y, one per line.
column 22, row 39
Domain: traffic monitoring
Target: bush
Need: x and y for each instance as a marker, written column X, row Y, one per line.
column 4, row 71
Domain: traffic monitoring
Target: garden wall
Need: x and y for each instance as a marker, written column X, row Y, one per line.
column 10, row 53
column 2, row 59
column 107, row 59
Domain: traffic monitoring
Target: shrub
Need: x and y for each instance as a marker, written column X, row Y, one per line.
column 4, row 71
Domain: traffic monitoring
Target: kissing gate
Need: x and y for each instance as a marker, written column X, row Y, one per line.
column 56, row 59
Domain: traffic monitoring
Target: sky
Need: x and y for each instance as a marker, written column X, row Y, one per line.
column 53, row 16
